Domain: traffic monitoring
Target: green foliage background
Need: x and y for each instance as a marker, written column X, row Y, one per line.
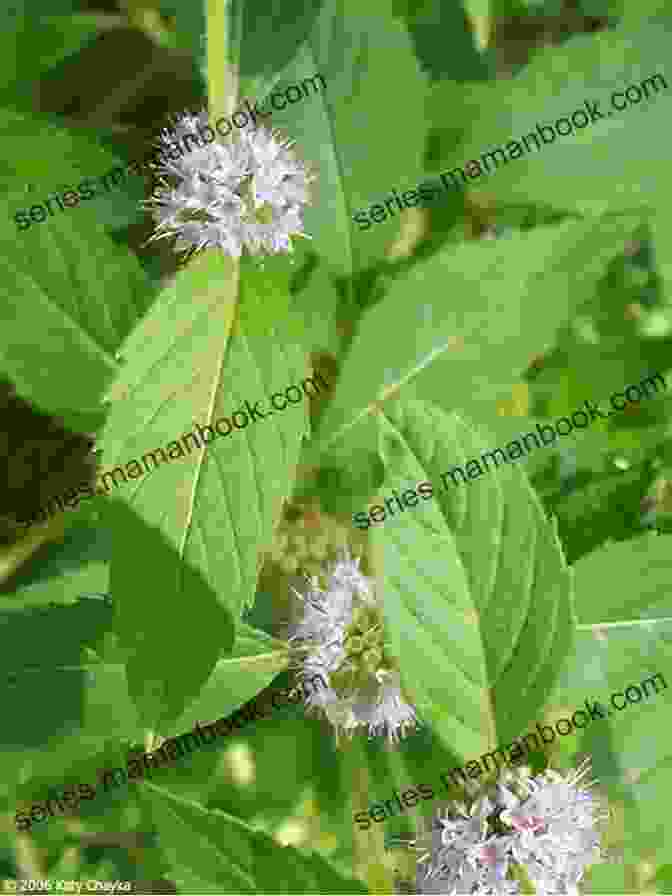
column 442, row 332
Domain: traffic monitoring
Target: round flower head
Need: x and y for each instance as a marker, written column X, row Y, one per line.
column 341, row 637
column 544, row 826
column 556, row 820
column 466, row 854
column 247, row 192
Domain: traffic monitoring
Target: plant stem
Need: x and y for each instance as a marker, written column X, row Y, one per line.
column 370, row 859
column 222, row 78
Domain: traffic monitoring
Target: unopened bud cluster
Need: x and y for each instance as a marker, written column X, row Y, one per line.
column 305, row 540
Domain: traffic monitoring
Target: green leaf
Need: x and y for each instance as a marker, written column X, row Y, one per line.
column 33, row 39
column 254, row 662
column 623, row 650
column 215, row 852
column 605, row 507
column 32, row 43
column 62, row 572
column 153, row 611
column 506, row 299
column 268, row 37
column 659, row 224
column 212, row 342
column 447, row 132
column 43, row 161
column 351, row 49
column 81, row 703
column 625, row 582
column 626, row 12
column 444, row 40
column 189, row 25
column 43, row 158
column 663, row 879
column 475, row 584
column 616, row 162
column 604, row 878
column 317, row 302
column 95, row 710
column 84, row 291
column 28, row 633
column 629, row 758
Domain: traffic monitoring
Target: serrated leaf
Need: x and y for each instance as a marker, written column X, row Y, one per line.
column 615, row 162
column 485, row 308
column 200, row 521
column 43, row 158
column 475, row 584
column 85, row 291
column 216, row 852
column 626, row 582
column 629, row 758
column 350, row 47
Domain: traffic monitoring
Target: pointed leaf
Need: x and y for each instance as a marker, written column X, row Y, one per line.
column 613, row 158
column 475, row 584
column 485, row 308
column 623, row 670
column 625, row 582
column 211, row 343
column 215, row 852
column 350, row 47
column 66, row 278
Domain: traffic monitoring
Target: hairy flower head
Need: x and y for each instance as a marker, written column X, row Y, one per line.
column 556, row 819
column 544, row 826
column 341, row 637
column 243, row 192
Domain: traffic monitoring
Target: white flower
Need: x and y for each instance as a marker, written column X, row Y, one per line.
column 556, row 821
column 466, row 856
column 341, row 637
column 544, row 826
column 247, row 192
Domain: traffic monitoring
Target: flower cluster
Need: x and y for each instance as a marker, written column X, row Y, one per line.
column 543, row 826
column 305, row 539
column 341, row 636
column 245, row 192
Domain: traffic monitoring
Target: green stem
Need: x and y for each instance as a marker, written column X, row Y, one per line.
column 371, row 862
column 222, row 77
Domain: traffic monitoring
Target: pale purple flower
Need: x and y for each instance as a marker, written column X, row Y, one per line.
column 544, row 825
column 556, row 819
column 341, row 637
column 245, row 192
column 466, row 856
